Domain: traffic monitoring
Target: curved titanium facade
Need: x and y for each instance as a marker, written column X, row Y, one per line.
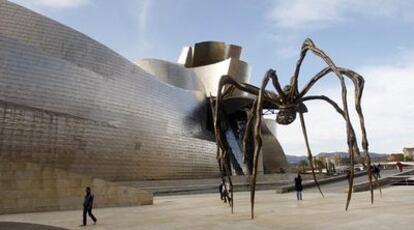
column 172, row 73
column 274, row 159
column 69, row 102
column 210, row 60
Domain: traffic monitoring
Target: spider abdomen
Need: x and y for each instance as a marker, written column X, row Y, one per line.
column 285, row 117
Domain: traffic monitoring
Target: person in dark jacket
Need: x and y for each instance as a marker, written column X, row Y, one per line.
column 379, row 170
column 222, row 190
column 298, row 187
column 87, row 206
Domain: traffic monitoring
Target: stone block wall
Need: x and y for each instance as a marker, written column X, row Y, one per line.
column 28, row 187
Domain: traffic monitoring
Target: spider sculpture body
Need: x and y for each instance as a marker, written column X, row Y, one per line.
column 289, row 102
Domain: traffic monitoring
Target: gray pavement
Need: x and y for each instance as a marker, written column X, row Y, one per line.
column 273, row 211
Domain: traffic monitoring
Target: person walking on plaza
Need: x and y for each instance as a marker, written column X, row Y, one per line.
column 298, row 186
column 379, row 170
column 222, row 190
column 87, row 206
column 375, row 171
column 229, row 193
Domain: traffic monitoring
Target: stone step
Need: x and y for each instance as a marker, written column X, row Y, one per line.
column 211, row 185
column 405, row 182
column 311, row 183
column 390, row 180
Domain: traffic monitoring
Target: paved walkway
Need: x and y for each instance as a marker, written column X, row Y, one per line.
column 342, row 185
column 273, row 211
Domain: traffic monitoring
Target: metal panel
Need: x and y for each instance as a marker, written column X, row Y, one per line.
column 67, row 101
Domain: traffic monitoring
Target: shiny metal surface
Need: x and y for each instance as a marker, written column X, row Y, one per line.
column 172, row 73
column 274, row 159
column 207, row 53
column 210, row 60
column 69, row 102
column 210, row 74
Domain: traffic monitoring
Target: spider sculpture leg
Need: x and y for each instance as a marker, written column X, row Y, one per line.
column 351, row 134
column 222, row 155
column 305, row 135
column 271, row 74
column 283, row 96
column 341, row 112
column 265, row 95
column 358, row 82
column 219, row 152
column 246, row 135
column 222, row 152
column 258, row 143
column 309, row 45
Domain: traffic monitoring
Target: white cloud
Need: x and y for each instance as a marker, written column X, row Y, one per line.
column 387, row 104
column 293, row 20
column 41, row 5
column 141, row 13
column 301, row 13
column 142, row 10
column 316, row 14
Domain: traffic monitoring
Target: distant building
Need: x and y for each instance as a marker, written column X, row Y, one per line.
column 396, row 157
column 328, row 159
column 408, row 153
column 340, row 161
column 379, row 159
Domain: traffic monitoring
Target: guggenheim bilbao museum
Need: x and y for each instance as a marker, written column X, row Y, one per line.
column 74, row 113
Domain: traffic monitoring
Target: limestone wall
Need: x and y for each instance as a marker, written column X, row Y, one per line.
column 27, row 187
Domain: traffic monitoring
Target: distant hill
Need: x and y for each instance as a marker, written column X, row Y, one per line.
column 293, row 159
column 346, row 155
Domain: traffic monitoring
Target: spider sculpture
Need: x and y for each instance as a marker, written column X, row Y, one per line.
column 289, row 102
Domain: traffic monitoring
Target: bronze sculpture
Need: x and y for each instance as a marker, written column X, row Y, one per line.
column 289, row 101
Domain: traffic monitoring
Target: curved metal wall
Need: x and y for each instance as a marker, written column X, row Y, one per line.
column 172, row 73
column 67, row 101
column 210, row 75
column 210, row 60
column 274, row 159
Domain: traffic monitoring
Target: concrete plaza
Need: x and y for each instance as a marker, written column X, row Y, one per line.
column 273, row 211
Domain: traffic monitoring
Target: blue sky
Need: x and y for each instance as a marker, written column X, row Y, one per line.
column 374, row 38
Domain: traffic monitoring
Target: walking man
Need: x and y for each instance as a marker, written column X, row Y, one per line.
column 87, row 206
column 379, row 170
column 298, row 186
column 222, row 190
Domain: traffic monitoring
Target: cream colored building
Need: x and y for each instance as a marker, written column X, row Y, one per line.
column 408, row 153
